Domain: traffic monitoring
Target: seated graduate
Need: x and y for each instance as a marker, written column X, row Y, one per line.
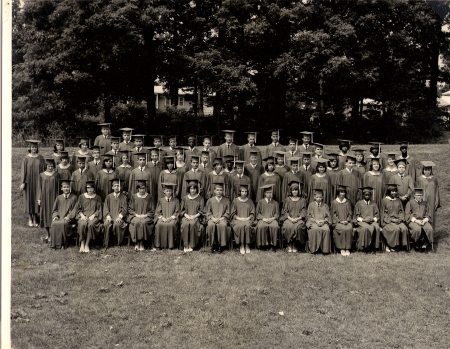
column 192, row 212
column 392, row 219
column 115, row 210
column 242, row 218
column 141, row 212
column 239, row 179
column 64, row 168
column 89, row 216
column 293, row 217
column 80, row 177
column 366, row 218
column 418, row 219
column 63, row 216
column 167, row 212
column 217, row 213
column 267, row 215
column 317, row 223
column 342, row 218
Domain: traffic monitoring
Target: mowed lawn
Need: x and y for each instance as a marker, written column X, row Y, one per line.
column 123, row 299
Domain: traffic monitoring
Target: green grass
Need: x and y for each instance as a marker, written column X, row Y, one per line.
column 119, row 298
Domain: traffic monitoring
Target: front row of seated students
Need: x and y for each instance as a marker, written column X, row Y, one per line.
column 298, row 224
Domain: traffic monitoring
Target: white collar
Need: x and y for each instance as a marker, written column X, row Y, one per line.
column 142, row 196
column 269, row 174
column 295, row 199
column 242, row 200
column 253, row 165
column 339, row 200
column 267, row 200
column 107, row 171
column 141, row 168
column 349, row 171
column 218, row 200
column 33, row 156
column 86, row 195
column 217, row 174
column 62, row 167
column 193, row 197
column 321, row 175
column 49, row 173
column 374, row 174
column 116, row 195
column 123, row 166
column 423, row 176
column 391, row 199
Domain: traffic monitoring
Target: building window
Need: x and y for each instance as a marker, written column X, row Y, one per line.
column 181, row 101
column 167, row 103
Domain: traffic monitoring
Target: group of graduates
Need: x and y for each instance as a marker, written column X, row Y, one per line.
column 196, row 194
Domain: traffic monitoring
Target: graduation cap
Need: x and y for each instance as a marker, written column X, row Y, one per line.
column 322, row 162
column 155, row 150
column 293, row 140
column 217, row 161
column 141, row 182
column 32, row 141
column 374, row 159
column 308, row 133
column 105, row 124
column 81, row 159
column 126, row 130
column 124, row 152
column 275, row 131
column 172, row 138
column 269, row 159
column 158, row 137
column 239, row 163
column 115, row 181
column 280, row 155
column 59, row 141
column 207, row 137
column 345, row 142
column 366, row 189
column 350, row 157
column 195, row 157
column 139, row 154
column 228, row 158
column 294, row 183
column 218, row 182
column 62, row 182
column 294, row 160
column 319, row 145
column 205, row 153
column 138, row 138
column 108, row 156
column 401, row 160
column 333, row 156
column 169, row 159
column 359, row 151
column 192, row 183
column 428, row 163
column 50, row 161
column 318, row 191
column 340, row 187
column 392, row 155
column 418, row 191
column 252, row 133
column 254, row 153
column 96, row 148
column 374, row 145
column 267, row 187
column 90, row 183
column 82, row 140
column 115, row 139
column 306, row 154
column 391, row 186
column 403, row 144
column 64, row 154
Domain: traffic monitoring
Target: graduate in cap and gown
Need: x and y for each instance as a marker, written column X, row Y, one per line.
column 246, row 150
column 123, row 170
column 96, row 164
column 80, row 177
column 350, row 178
column 191, row 150
column 375, row 153
column 293, row 175
column 207, row 143
column 392, row 219
column 158, row 141
column 195, row 174
column 412, row 165
column 242, row 218
column 318, row 156
column 172, row 145
column 115, row 151
column 63, row 216
column 320, row 180
column 218, row 175
column 360, row 164
column 332, row 171
column 366, row 218
column 138, row 148
column 180, row 164
column 126, row 144
column 317, row 224
column 307, row 142
column 280, row 163
column 293, row 217
column 430, row 185
column 267, row 215
column 269, row 177
column 342, row 221
column 141, row 213
column 418, row 220
column 275, row 145
column 239, row 179
column 115, row 211
column 229, row 165
column 375, row 179
column 390, row 167
column 169, row 175
column 307, row 170
column 166, row 217
column 104, row 140
column 344, row 147
column 83, row 152
column 155, row 166
column 405, row 183
column 192, row 212
column 64, row 168
column 58, row 147
column 205, row 164
column 104, row 176
column 228, row 148
column 47, row 192
column 292, row 149
column 89, row 214
column 253, row 170
column 141, row 172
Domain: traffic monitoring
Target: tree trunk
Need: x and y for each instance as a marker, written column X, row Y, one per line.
column 107, row 106
column 201, row 111
column 434, row 73
column 195, row 100
column 216, row 110
column 150, row 78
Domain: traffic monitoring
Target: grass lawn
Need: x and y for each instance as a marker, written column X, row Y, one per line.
column 120, row 298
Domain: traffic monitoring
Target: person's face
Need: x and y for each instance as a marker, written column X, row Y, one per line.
column 274, row 137
column 126, row 137
column 244, row 193
column 84, row 147
column 374, row 151
column 59, row 147
column 349, row 164
column 401, row 168
column 376, row 166
column 404, row 150
column 251, row 139
column 393, row 193
column 191, row 141
column 50, row 167
column 280, row 161
column 218, row 168
column 65, row 188
column 138, row 143
column 341, row 194
column 270, row 166
column 390, row 161
column 294, row 167
column 306, row 139
column 116, row 187
column 292, row 146
column 205, row 159
column 105, row 131
column 419, row 198
column 367, row 196
column 142, row 190
column 89, row 189
column 253, row 159
column 318, row 151
column 170, row 166
column 333, row 163
column 125, row 159
column 344, row 148
column 180, row 156
column 194, row 163
column 172, row 143
column 306, row 161
column 157, row 142
column 154, row 156
column 268, row 194
column 168, row 192
column 95, row 154
column 229, row 165
column 427, row 171
column 108, row 163
column 318, row 198
column 114, row 145
column 141, row 161
column 359, row 157
column 192, row 190
column 239, row 170
column 81, row 164
column 218, row 191
column 295, row 191
column 64, row 161
column 33, row 148
column 228, row 138
column 207, row 143
column 321, row 169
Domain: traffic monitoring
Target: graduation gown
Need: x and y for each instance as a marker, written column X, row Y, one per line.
column 146, row 176
column 115, row 154
column 224, row 150
column 271, row 148
column 369, row 160
column 388, row 173
column 115, row 207
column 104, row 142
column 412, row 167
column 405, row 186
column 236, row 182
column 291, row 176
column 368, row 233
column 253, row 172
column 314, row 163
column 31, row 169
column 324, row 183
column 353, row 181
column 214, row 176
column 281, row 170
column 267, row 233
column 307, row 172
column 302, row 148
column 57, row 158
column 89, row 206
column 61, row 229
column 266, row 179
column 212, row 155
column 341, row 160
column 155, row 170
column 294, row 209
column 415, row 210
column 141, row 228
column 342, row 234
column 218, row 233
column 74, row 159
column 169, row 177
column 192, row 230
column 123, row 146
column 332, row 174
column 244, row 153
column 133, row 157
column 94, row 167
column 166, row 232
column 103, row 184
column 65, row 172
column 318, row 237
column 79, row 181
column 393, row 232
column 376, row 181
column 124, row 173
column 296, row 153
column 430, row 195
column 242, row 230
column 47, row 192
column 361, row 168
column 207, row 169
column 188, row 153
column 198, row 175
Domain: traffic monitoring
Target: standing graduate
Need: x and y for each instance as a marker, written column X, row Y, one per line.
column 375, row 153
column 141, row 213
column 207, row 143
column 205, row 165
column 107, row 173
column 180, row 164
column 169, row 175
column 96, row 164
column 317, row 223
column 275, row 145
column 58, row 147
column 390, row 168
column 238, row 180
column 47, row 192
column 217, row 214
column 115, row 210
column 114, row 150
column 83, row 152
column 191, row 212
column 307, row 170
column 350, row 178
column 293, row 217
column 141, row 172
column 218, row 175
column 127, row 144
column 191, row 150
column 80, row 177
column 418, row 219
column 88, row 215
column 267, row 214
column 123, row 170
column 228, row 148
column 253, row 170
column 375, row 179
column 63, row 216
column 392, row 219
column 342, row 221
column 344, row 147
column 405, row 184
column 307, row 141
column 430, row 185
column 242, row 218
column 195, row 174
column 293, row 175
column 360, row 164
column 166, row 216
column 320, row 180
column 247, row 149
column 158, row 141
column 138, row 148
column 172, row 145
column 332, row 171
column 412, row 165
column 292, row 149
column 229, row 167
column 64, row 168
column 155, row 166
column 269, row 177
column 280, row 163
column 104, row 140
column 366, row 220
column 318, row 155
